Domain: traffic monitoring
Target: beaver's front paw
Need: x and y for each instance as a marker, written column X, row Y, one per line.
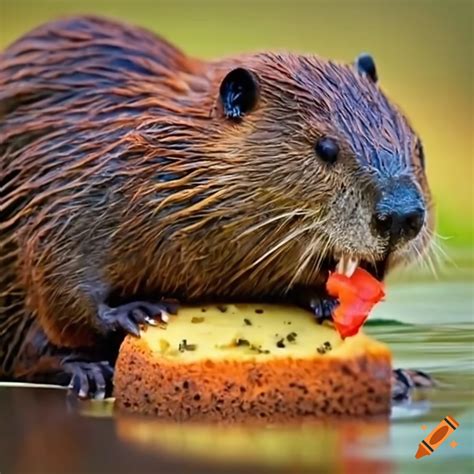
column 318, row 302
column 130, row 316
column 89, row 379
column 322, row 307
column 405, row 381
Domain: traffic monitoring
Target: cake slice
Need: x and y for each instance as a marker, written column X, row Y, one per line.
column 240, row 362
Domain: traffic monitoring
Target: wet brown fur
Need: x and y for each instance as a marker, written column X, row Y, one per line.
column 121, row 174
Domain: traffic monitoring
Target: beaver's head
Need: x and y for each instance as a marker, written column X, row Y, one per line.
column 321, row 144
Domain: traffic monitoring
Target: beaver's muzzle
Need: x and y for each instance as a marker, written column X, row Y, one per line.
column 400, row 211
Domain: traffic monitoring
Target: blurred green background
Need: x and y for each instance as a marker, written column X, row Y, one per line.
column 423, row 50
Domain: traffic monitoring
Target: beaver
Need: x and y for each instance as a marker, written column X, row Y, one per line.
column 134, row 176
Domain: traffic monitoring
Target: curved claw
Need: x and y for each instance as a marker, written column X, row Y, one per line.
column 323, row 308
column 89, row 379
column 130, row 316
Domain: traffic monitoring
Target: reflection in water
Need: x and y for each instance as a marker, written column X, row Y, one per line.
column 335, row 445
column 412, row 409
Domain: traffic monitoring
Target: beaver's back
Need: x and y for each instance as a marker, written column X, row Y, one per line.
column 73, row 75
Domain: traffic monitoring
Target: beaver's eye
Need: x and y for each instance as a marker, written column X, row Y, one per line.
column 327, row 149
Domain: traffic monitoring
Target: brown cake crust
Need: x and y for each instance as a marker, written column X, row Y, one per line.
column 274, row 389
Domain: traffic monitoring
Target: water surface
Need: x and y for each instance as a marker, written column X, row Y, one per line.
column 427, row 324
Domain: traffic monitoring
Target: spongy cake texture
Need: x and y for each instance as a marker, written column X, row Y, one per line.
column 239, row 362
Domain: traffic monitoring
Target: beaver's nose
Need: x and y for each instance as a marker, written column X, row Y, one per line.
column 399, row 214
column 400, row 225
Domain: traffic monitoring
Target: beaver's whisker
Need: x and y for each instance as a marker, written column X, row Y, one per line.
column 435, row 250
column 308, row 255
column 438, row 236
column 423, row 257
column 431, row 264
column 440, row 253
column 324, row 252
column 293, row 234
column 289, row 215
column 438, row 257
column 303, row 262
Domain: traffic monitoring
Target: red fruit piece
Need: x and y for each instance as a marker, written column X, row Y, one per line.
column 350, row 329
column 369, row 287
column 357, row 296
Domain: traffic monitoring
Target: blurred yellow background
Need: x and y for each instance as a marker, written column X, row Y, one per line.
column 423, row 50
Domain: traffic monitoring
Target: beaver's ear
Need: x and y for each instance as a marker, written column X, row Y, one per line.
column 238, row 93
column 366, row 65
